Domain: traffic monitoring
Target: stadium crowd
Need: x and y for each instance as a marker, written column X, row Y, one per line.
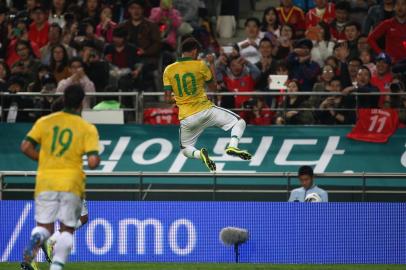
column 108, row 46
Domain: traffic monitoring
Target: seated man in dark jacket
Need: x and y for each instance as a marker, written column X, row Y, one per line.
column 363, row 85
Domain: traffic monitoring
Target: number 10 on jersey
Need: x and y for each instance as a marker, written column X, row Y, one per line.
column 183, row 86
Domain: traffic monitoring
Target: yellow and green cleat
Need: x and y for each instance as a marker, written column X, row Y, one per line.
column 236, row 152
column 204, row 156
column 48, row 248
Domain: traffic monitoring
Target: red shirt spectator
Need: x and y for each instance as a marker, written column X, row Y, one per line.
column 322, row 12
column 342, row 13
column 12, row 55
column 394, row 31
column 382, row 77
column 238, row 75
column 293, row 15
column 38, row 30
column 395, row 38
column 106, row 26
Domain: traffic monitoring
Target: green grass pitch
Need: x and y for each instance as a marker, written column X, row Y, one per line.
column 170, row 266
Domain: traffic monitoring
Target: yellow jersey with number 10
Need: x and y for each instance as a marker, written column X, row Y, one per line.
column 187, row 79
column 64, row 138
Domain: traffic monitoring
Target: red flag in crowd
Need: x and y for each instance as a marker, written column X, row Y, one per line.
column 375, row 125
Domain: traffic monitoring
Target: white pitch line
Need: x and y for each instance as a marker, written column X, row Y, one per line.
column 16, row 232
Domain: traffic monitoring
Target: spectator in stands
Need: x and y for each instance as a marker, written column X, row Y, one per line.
column 293, row 105
column 377, row 14
column 19, row 32
column 322, row 46
column 366, row 58
column 256, row 112
column 324, row 86
column 267, row 65
column 393, row 30
column 349, row 76
column 59, row 63
column 301, row 67
column 4, row 74
column 55, row 38
column 362, row 43
column 249, row 47
column 285, row 42
column 28, row 65
column 342, row 13
column 306, row 178
column 292, row 15
column 126, row 70
column 383, row 77
column 91, row 10
column 333, row 62
column 87, row 34
column 352, row 31
column 38, row 84
column 105, row 28
column 323, row 11
column 270, row 23
column 359, row 10
column 16, row 104
column 3, row 31
column 57, row 14
column 95, row 67
column 76, row 68
column 189, row 9
column 363, row 85
column 239, row 75
column 334, row 110
column 38, row 31
column 169, row 20
column 143, row 34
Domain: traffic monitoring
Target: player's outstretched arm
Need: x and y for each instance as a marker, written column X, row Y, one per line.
column 28, row 148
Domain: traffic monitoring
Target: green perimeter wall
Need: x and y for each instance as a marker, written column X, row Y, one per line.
column 274, row 149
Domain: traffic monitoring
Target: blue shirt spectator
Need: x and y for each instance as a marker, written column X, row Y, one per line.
column 308, row 188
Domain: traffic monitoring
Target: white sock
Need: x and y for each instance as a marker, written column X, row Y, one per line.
column 41, row 232
column 55, row 236
column 62, row 250
column 236, row 133
column 191, row 152
column 78, row 225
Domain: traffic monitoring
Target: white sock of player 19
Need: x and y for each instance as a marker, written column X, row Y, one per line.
column 191, row 152
column 55, row 236
column 236, row 133
column 62, row 250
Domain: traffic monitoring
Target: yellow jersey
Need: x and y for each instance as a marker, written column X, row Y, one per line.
column 187, row 78
column 64, row 138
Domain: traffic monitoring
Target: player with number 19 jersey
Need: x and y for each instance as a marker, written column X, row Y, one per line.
column 189, row 77
column 64, row 138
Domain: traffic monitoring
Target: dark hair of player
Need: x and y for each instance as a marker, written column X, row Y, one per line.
column 73, row 96
column 189, row 45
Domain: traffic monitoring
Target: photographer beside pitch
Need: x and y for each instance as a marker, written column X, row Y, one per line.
column 308, row 192
column 60, row 183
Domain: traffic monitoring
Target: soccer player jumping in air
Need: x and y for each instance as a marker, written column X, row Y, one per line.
column 187, row 78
